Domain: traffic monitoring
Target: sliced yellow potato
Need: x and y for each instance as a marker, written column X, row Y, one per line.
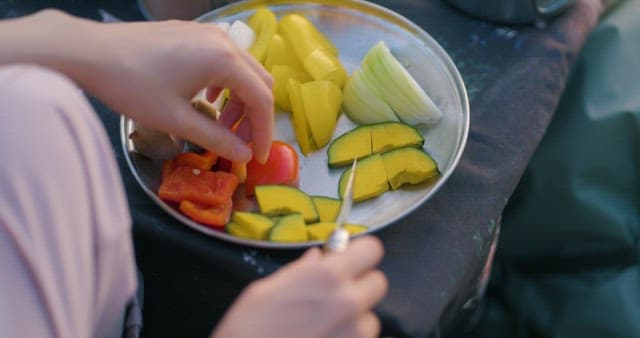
column 299, row 119
column 322, row 65
column 322, row 101
column 279, row 53
column 281, row 75
column 300, row 34
column 265, row 25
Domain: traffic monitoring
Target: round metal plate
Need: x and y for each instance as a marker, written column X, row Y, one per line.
column 354, row 27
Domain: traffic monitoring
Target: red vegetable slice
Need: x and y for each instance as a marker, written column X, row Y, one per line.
column 215, row 216
column 168, row 166
column 280, row 168
column 203, row 187
column 204, row 161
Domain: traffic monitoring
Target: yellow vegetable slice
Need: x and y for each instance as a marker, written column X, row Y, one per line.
column 391, row 135
column 322, row 65
column 289, row 229
column 408, row 166
column 265, row 24
column 370, row 180
column 327, row 207
column 281, row 75
column 372, row 138
column 279, row 53
column 296, row 31
column 299, row 119
column 249, row 225
column 302, row 36
column 324, row 41
column 354, row 144
column 320, row 231
column 277, row 200
column 322, row 101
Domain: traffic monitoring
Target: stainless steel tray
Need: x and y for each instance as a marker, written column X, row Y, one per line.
column 354, row 26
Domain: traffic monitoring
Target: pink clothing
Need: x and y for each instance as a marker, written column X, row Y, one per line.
column 66, row 257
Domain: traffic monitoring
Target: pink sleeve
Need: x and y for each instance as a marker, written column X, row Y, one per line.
column 66, row 258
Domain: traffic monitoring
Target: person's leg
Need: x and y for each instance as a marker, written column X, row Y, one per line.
column 66, row 257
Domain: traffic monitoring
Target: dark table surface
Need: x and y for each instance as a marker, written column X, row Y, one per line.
column 436, row 256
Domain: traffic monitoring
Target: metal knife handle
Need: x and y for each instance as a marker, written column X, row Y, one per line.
column 338, row 241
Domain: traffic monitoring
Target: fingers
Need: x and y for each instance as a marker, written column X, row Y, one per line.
column 233, row 117
column 362, row 255
column 205, row 132
column 213, row 93
column 231, row 113
column 368, row 290
column 243, row 130
column 266, row 77
column 365, row 292
column 251, row 88
column 366, row 325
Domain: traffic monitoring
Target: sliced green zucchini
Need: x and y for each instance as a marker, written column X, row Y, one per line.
column 355, row 143
column 370, row 179
column 328, row 208
column 278, row 200
column 370, row 139
column 249, row 225
column 322, row 230
column 408, row 166
column 391, row 135
column 289, row 229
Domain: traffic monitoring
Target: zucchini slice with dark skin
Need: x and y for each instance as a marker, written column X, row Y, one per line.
column 278, row 200
column 289, row 229
column 371, row 139
column 408, row 166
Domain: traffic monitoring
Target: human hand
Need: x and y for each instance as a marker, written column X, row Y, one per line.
column 316, row 296
column 164, row 64
column 149, row 71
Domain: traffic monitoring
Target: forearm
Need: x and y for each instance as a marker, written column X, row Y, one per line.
column 54, row 40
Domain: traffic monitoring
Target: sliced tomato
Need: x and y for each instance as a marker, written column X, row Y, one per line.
column 204, row 161
column 280, row 168
column 215, row 216
column 198, row 186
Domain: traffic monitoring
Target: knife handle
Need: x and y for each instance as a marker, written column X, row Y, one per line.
column 338, row 241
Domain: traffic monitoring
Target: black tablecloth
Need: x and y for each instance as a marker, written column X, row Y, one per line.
column 435, row 256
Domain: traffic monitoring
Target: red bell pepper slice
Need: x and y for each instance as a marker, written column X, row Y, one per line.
column 215, row 216
column 280, row 168
column 204, row 161
column 168, row 166
column 203, row 187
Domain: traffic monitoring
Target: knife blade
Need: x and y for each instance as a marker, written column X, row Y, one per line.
column 339, row 238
